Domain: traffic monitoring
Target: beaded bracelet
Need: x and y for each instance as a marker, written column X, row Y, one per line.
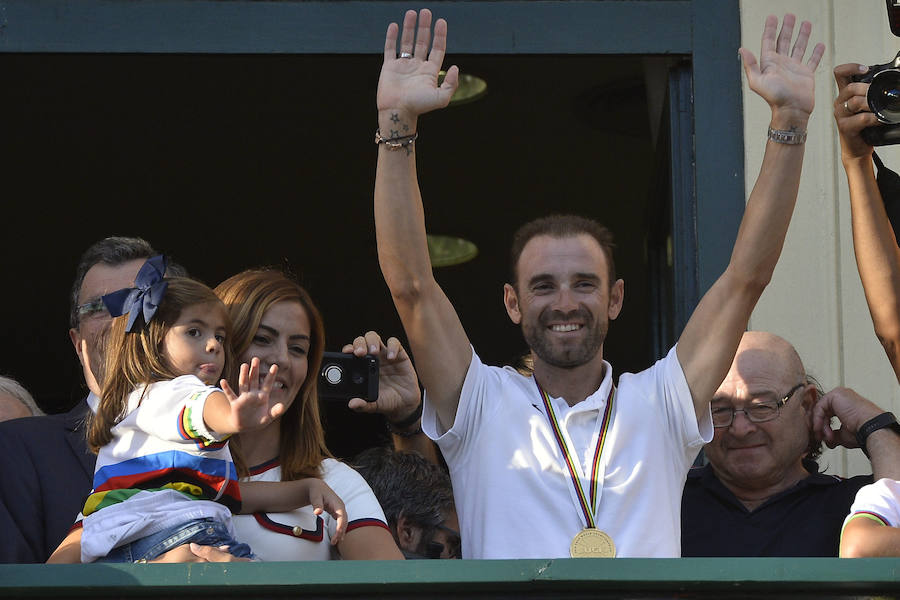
column 395, row 143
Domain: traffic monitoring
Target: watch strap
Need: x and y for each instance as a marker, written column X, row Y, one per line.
column 885, row 419
column 408, row 420
column 786, row 136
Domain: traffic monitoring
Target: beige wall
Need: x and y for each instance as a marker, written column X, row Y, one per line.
column 815, row 300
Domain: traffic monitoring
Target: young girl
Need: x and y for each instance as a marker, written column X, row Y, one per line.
column 164, row 475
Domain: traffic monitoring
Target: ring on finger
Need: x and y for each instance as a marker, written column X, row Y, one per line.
column 405, row 55
column 847, row 107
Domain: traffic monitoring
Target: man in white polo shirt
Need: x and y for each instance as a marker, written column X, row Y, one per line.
column 560, row 463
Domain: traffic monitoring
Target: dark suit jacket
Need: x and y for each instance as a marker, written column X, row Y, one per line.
column 46, row 472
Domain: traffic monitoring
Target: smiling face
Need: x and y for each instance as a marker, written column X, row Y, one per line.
column 282, row 338
column 768, row 455
column 563, row 299
column 194, row 345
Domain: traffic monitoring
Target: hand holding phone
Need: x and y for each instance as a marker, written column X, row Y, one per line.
column 399, row 393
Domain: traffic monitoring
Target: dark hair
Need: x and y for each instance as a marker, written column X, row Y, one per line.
column 138, row 358
column 407, row 485
column 561, row 226
column 248, row 295
column 113, row 251
column 814, row 448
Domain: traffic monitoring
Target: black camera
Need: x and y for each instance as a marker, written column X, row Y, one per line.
column 345, row 376
column 884, row 90
column 884, row 101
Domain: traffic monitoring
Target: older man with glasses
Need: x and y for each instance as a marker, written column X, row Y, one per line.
column 45, row 464
column 762, row 494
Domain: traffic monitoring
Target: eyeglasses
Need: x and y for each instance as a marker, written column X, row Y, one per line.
column 764, row 407
column 90, row 309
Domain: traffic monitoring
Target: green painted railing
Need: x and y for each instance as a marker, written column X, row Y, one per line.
column 768, row 578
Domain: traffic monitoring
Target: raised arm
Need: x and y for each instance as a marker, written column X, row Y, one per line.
column 711, row 337
column 408, row 87
column 874, row 244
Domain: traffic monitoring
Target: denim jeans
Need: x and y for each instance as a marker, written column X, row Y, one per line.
column 206, row 532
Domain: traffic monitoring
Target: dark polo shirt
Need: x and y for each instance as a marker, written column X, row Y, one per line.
column 804, row 520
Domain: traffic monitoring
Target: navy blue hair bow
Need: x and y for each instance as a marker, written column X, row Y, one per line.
column 143, row 299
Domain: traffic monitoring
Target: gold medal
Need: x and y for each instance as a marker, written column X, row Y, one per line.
column 592, row 543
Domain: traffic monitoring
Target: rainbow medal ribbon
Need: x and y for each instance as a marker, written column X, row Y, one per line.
column 590, row 542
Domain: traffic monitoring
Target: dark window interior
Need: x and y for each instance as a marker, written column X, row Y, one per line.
column 233, row 161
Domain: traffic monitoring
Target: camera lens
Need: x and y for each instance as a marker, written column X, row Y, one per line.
column 884, row 96
column 332, row 374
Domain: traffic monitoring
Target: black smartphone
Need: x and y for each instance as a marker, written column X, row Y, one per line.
column 344, row 376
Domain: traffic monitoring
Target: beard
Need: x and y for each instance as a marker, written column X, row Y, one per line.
column 565, row 355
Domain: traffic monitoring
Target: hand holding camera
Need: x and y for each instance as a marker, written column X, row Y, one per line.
column 882, row 99
column 868, row 102
column 852, row 114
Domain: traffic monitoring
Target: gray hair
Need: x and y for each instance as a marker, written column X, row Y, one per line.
column 406, row 485
column 15, row 389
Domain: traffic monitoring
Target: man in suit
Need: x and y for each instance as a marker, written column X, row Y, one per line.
column 45, row 464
